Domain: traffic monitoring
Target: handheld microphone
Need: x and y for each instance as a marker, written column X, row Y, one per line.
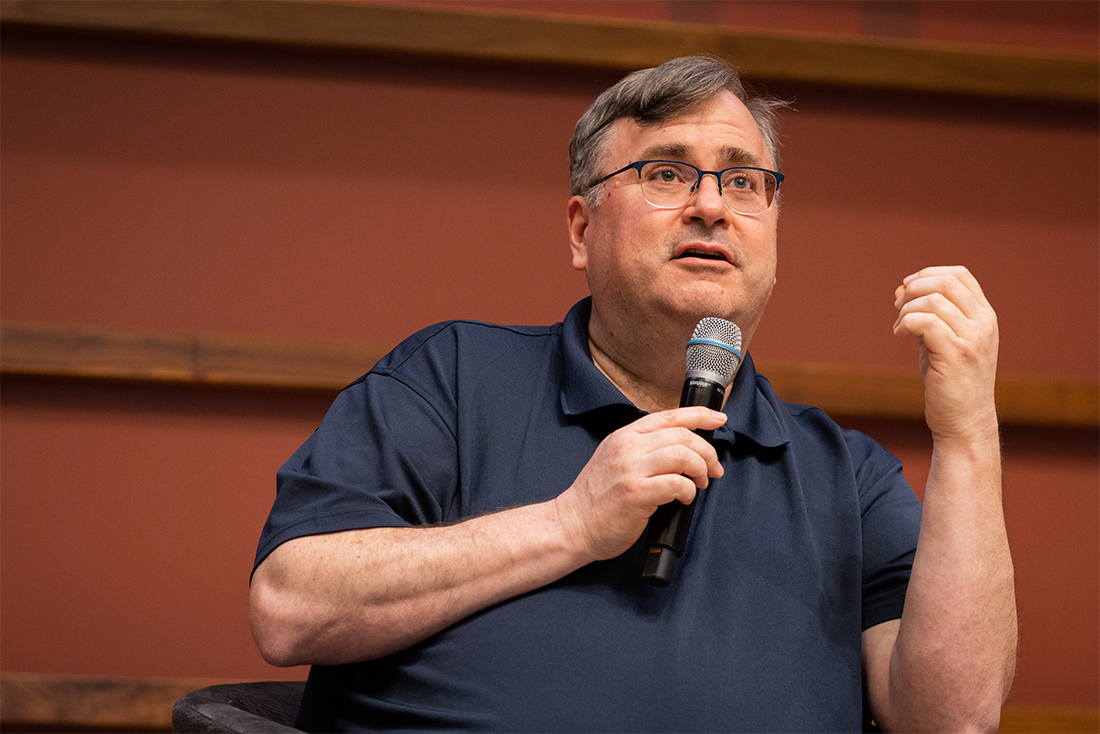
column 713, row 354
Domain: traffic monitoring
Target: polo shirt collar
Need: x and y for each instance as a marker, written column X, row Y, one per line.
column 751, row 413
column 585, row 389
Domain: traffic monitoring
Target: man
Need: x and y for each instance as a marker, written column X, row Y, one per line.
column 459, row 545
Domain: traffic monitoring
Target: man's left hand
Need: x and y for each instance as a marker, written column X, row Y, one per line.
column 949, row 662
column 945, row 309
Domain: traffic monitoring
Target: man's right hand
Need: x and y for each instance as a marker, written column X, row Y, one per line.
column 360, row 594
column 652, row 461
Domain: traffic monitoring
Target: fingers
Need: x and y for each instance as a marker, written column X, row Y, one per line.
column 678, row 461
column 661, row 449
column 695, row 418
column 673, row 446
column 955, row 285
column 653, row 461
column 929, row 277
column 946, row 310
column 943, row 303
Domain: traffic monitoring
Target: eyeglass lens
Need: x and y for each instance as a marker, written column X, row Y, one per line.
column 669, row 185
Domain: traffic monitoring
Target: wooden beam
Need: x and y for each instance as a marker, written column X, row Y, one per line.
column 1048, row 719
column 314, row 365
column 44, row 701
column 202, row 360
column 880, row 393
column 75, row 703
column 573, row 42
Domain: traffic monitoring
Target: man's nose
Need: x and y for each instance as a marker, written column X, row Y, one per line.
column 706, row 202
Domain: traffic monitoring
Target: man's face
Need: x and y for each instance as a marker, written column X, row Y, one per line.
column 678, row 265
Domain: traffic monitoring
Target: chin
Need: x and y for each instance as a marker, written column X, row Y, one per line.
column 702, row 305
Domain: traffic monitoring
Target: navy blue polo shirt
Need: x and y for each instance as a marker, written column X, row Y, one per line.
column 806, row 541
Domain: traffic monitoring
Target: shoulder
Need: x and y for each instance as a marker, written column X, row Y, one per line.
column 810, row 429
column 463, row 340
column 436, row 362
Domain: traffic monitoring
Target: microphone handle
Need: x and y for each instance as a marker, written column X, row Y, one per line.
column 669, row 525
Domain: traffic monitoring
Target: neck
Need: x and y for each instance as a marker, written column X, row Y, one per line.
column 645, row 393
column 646, row 363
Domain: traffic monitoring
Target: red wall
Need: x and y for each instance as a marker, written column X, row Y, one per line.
column 202, row 190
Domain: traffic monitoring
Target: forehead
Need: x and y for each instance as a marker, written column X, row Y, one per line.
column 721, row 131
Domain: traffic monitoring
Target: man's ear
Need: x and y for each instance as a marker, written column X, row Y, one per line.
column 578, row 215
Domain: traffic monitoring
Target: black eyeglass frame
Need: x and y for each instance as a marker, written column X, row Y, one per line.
column 638, row 165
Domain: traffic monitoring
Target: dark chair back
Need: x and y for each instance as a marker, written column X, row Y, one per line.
column 243, row 708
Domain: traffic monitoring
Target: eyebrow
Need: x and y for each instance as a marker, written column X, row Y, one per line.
column 732, row 156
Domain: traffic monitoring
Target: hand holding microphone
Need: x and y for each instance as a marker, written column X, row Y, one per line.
column 642, row 466
column 713, row 355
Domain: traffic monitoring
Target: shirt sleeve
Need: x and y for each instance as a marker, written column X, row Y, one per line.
column 890, row 514
column 384, row 456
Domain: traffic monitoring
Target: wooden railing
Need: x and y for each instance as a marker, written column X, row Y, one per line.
column 46, row 702
column 329, row 366
column 513, row 38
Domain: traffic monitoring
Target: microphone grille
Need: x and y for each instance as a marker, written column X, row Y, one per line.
column 715, row 348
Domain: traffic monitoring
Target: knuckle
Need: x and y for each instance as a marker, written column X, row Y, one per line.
column 667, row 417
column 937, row 299
column 682, row 455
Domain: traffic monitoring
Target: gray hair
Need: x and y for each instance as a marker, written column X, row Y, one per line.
column 651, row 96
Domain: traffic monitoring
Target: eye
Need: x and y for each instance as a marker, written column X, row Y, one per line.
column 741, row 181
column 665, row 174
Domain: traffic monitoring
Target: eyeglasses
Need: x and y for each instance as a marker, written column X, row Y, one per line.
column 671, row 184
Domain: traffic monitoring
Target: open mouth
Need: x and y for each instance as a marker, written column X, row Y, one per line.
column 702, row 254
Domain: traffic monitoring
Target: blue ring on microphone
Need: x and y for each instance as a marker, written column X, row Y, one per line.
column 712, row 342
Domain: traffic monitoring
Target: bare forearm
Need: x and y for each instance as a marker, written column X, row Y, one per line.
column 949, row 663
column 956, row 648
column 359, row 595
column 362, row 594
